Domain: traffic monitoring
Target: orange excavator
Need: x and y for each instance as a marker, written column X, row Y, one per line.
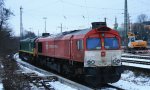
column 136, row 46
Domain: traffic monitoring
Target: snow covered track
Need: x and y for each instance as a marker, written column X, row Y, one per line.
column 74, row 85
column 47, row 80
column 136, row 61
column 40, row 81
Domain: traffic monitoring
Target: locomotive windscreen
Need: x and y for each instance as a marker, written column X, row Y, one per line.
column 93, row 43
column 111, row 43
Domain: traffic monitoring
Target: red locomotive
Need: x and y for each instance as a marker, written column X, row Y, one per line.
column 93, row 54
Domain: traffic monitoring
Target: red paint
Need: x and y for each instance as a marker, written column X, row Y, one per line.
column 103, row 54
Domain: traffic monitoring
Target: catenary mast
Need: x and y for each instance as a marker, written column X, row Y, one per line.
column 21, row 25
column 126, row 22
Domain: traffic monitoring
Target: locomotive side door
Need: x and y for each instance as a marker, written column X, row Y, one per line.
column 36, row 48
column 71, row 48
column 76, row 49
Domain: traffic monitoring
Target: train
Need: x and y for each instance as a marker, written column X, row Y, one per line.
column 92, row 54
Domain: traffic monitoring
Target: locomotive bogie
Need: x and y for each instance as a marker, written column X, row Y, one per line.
column 95, row 76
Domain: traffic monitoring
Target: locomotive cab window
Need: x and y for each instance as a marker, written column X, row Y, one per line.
column 80, row 44
column 93, row 43
column 40, row 47
column 111, row 43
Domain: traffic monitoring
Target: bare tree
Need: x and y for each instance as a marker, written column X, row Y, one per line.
column 138, row 28
column 6, row 36
column 4, row 14
column 1, row 2
column 1, row 13
column 29, row 34
column 142, row 18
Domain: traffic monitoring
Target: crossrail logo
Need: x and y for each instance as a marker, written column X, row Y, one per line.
column 53, row 46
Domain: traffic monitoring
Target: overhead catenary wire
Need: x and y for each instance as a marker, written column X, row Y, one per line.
column 144, row 3
column 78, row 5
column 86, row 16
column 86, row 9
column 139, row 8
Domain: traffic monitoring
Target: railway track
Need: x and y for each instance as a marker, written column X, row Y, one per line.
column 44, row 81
column 108, row 87
column 139, row 61
column 136, row 56
column 59, row 78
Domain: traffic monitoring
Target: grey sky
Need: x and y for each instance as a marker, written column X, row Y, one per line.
column 73, row 14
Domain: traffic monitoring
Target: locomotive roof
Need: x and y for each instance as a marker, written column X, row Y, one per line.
column 74, row 32
column 79, row 32
column 67, row 34
column 28, row 40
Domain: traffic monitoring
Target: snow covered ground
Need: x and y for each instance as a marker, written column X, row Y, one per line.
column 1, row 86
column 128, row 81
column 59, row 86
column 56, row 84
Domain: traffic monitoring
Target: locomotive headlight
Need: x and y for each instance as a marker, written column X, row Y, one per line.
column 90, row 62
column 116, row 61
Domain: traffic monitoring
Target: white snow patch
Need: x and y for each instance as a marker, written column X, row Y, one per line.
column 129, row 81
column 2, row 66
column 1, row 86
column 59, row 86
column 135, row 59
column 108, row 89
column 28, row 70
column 16, row 56
column 136, row 65
column 130, row 54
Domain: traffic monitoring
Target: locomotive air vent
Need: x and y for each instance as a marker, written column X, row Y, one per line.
column 45, row 34
column 103, row 29
column 98, row 24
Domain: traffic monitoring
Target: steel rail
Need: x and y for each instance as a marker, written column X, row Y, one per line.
column 137, row 61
